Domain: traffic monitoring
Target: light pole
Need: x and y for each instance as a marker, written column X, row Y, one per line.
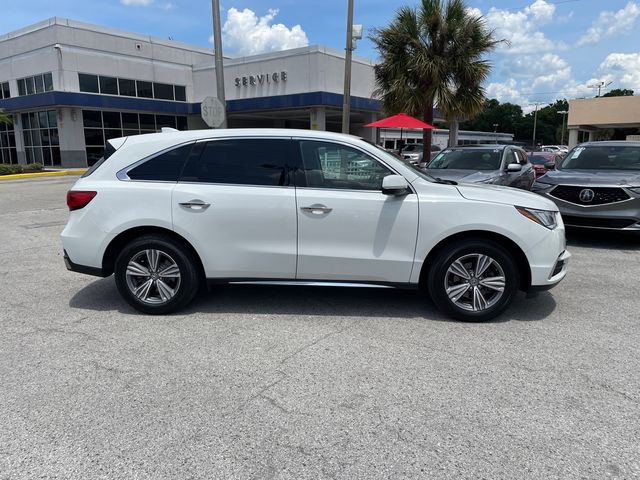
column 564, row 113
column 346, row 97
column 495, row 131
column 217, row 47
column 535, row 123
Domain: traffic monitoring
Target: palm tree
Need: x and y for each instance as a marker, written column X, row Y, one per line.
column 4, row 118
column 433, row 54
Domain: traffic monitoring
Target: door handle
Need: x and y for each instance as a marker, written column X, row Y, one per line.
column 195, row 204
column 316, row 209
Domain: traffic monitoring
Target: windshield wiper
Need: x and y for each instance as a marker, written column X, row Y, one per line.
column 446, row 182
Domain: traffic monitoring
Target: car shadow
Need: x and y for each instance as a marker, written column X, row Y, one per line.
column 102, row 295
column 603, row 239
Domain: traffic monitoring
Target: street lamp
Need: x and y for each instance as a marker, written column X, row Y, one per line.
column 535, row 123
column 564, row 113
column 354, row 32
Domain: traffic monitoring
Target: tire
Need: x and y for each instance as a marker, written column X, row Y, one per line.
column 168, row 287
column 480, row 296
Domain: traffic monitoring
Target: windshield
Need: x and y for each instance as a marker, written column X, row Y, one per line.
column 605, row 157
column 467, row 159
column 539, row 159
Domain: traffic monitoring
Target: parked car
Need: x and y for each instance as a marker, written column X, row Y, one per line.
column 554, row 148
column 413, row 153
column 539, row 160
column 597, row 185
column 493, row 164
column 165, row 212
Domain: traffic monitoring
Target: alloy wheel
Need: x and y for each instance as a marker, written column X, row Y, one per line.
column 475, row 282
column 153, row 277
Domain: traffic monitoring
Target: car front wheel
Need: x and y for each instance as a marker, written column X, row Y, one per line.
column 473, row 280
column 156, row 274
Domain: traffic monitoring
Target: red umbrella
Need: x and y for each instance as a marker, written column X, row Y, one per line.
column 401, row 120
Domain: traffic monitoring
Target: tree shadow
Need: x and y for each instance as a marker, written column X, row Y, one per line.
column 102, row 295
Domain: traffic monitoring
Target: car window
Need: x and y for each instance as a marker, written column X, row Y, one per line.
column 538, row 159
column 330, row 165
column 467, row 159
column 241, row 161
column 165, row 167
column 603, row 157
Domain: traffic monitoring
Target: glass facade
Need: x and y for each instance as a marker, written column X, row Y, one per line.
column 36, row 84
column 8, row 153
column 4, row 90
column 41, row 141
column 100, row 126
column 131, row 88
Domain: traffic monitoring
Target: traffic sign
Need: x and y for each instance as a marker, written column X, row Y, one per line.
column 212, row 111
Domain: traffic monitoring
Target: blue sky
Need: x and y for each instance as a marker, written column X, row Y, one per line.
column 556, row 48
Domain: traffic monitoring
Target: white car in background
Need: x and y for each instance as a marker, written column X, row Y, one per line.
column 166, row 212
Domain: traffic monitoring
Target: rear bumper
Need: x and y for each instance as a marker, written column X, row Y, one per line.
column 74, row 267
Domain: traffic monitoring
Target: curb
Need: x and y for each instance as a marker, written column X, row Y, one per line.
column 60, row 173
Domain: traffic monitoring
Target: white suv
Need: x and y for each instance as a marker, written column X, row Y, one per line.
column 166, row 212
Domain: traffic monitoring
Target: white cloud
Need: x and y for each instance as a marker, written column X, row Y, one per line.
column 609, row 24
column 520, row 28
column 623, row 69
column 136, row 3
column 247, row 34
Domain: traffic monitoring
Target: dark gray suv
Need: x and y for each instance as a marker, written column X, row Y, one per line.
column 597, row 185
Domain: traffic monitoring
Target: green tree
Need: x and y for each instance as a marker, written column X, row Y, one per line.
column 619, row 92
column 433, row 54
column 4, row 118
column 505, row 117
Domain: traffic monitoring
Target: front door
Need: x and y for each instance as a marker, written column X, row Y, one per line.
column 348, row 230
column 235, row 205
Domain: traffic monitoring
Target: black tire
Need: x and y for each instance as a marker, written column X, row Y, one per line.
column 185, row 286
column 468, row 250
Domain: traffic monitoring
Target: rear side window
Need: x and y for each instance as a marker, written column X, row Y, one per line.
column 242, row 161
column 108, row 151
column 165, row 167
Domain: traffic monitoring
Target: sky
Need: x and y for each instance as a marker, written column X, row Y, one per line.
column 554, row 49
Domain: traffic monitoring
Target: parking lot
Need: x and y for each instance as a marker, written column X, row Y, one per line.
column 294, row 382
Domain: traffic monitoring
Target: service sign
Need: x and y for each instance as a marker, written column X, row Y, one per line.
column 261, row 79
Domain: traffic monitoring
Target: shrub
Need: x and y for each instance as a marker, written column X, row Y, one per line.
column 33, row 167
column 10, row 169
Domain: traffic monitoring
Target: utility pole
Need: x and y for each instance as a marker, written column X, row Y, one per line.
column 346, row 100
column 535, row 122
column 495, row 131
column 217, row 50
column 600, row 85
column 563, row 113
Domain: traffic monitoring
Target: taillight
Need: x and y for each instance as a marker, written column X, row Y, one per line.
column 79, row 199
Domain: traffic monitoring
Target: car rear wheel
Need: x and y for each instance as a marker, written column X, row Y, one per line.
column 473, row 280
column 156, row 274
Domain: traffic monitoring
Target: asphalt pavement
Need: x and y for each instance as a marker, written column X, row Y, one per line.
column 257, row 382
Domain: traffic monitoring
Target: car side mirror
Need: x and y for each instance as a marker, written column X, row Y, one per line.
column 514, row 167
column 395, row 185
column 550, row 166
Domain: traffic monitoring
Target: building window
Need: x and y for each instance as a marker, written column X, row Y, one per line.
column 100, row 126
column 8, row 152
column 4, row 90
column 36, row 84
column 41, row 141
column 124, row 87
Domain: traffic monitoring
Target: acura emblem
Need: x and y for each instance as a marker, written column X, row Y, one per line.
column 586, row 195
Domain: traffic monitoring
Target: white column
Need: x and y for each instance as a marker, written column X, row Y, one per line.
column 573, row 137
column 317, row 118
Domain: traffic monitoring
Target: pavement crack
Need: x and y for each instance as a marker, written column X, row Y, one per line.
column 313, row 343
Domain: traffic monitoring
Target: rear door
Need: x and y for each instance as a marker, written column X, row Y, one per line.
column 348, row 230
column 235, row 203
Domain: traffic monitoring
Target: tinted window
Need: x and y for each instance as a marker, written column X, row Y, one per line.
column 163, row 91
column 605, row 157
column 92, row 118
column 165, row 167
column 108, row 151
column 88, row 83
column 241, row 162
column 468, row 159
column 127, row 87
column 145, row 89
column 330, row 165
column 538, row 159
column 48, row 82
column 109, row 85
column 181, row 93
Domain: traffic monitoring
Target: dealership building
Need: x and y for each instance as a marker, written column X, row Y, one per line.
column 70, row 86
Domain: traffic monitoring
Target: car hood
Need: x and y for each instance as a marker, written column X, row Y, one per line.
column 505, row 195
column 592, row 177
column 471, row 176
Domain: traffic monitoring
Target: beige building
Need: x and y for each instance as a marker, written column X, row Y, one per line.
column 591, row 114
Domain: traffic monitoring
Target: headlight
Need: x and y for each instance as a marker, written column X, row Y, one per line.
column 541, row 187
column 546, row 218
